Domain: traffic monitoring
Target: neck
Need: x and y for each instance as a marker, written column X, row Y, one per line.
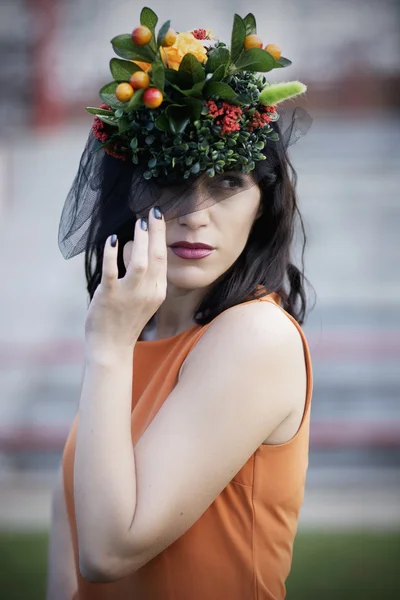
column 176, row 312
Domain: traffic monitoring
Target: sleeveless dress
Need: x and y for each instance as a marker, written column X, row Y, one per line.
column 241, row 547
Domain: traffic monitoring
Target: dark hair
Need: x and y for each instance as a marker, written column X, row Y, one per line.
column 266, row 259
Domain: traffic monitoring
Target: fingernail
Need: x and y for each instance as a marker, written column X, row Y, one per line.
column 113, row 240
column 143, row 224
column 157, row 212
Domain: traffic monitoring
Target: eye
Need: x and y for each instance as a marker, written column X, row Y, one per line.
column 231, row 181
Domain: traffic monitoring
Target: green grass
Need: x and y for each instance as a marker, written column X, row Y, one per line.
column 326, row 566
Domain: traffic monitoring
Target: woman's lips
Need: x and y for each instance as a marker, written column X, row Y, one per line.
column 191, row 253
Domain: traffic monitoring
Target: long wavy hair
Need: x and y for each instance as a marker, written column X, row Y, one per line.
column 265, row 264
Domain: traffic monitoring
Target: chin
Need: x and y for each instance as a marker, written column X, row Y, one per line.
column 190, row 278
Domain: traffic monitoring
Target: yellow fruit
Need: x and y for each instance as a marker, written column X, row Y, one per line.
column 152, row 98
column 139, row 80
column 169, row 39
column 274, row 50
column 141, row 35
column 124, row 92
column 252, row 41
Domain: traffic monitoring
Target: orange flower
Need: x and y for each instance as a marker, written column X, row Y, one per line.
column 143, row 65
column 185, row 43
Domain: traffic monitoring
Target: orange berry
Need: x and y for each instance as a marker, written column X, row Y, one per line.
column 274, row 50
column 252, row 41
column 124, row 92
column 140, row 80
column 152, row 98
column 169, row 39
column 141, row 35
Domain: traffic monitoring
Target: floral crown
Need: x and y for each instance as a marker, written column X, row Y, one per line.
column 184, row 103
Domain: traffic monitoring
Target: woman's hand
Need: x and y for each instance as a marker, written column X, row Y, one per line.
column 120, row 308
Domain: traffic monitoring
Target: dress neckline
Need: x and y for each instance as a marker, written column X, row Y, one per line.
column 172, row 338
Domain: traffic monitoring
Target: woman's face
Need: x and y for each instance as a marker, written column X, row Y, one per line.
column 225, row 226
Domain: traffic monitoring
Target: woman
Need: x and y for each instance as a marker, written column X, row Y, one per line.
column 184, row 471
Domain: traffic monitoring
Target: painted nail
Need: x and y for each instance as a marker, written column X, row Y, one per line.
column 143, row 224
column 113, row 240
column 157, row 212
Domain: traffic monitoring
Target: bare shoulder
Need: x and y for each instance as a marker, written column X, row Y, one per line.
column 257, row 328
column 259, row 344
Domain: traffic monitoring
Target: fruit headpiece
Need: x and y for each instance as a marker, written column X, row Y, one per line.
column 182, row 110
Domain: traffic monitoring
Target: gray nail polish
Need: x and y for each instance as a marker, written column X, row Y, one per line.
column 143, row 224
column 113, row 240
column 157, row 212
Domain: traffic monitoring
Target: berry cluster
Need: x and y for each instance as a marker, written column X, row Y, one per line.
column 200, row 34
column 99, row 127
column 100, row 132
column 226, row 116
column 260, row 119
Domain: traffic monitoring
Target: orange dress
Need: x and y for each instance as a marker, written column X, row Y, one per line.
column 241, row 547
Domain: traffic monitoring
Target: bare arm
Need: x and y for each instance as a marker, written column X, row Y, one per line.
column 130, row 508
column 61, row 574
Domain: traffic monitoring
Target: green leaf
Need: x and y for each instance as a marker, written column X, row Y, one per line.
column 250, row 23
column 219, row 73
column 135, row 101
column 149, row 19
column 152, row 163
column 241, row 99
column 163, row 32
column 182, row 79
column 195, row 106
column 255, row 59
column 123, row 124
column 162, row 123
column 217, row 88
column 216, row 58
column 107, row 94
column 195, row 169
column 99, row 111
column 134, row 143
column 274, row 137
column 179, row 117
column 194, row 92
column 283, row 62
column 109, row 120
column 158, row 75
column 124, row 46
column 122, row 70
column 238, row 37
column 193, row 68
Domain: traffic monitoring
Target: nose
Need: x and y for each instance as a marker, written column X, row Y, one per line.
column 195, row 218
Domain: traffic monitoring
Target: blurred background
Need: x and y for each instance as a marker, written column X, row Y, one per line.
column 55, row 56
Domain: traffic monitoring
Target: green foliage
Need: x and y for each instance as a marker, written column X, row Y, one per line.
column 193, row 68
column 219, row 89
column 107, row 94
column 99, row 111
column 216, row 58
column 255, row 59
column 135, row 102
column 125, row 47
column 250, row 23
column 238, row 37
column 122, row 70
column 158, row 75
column 149, row 19
column 162, row 33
